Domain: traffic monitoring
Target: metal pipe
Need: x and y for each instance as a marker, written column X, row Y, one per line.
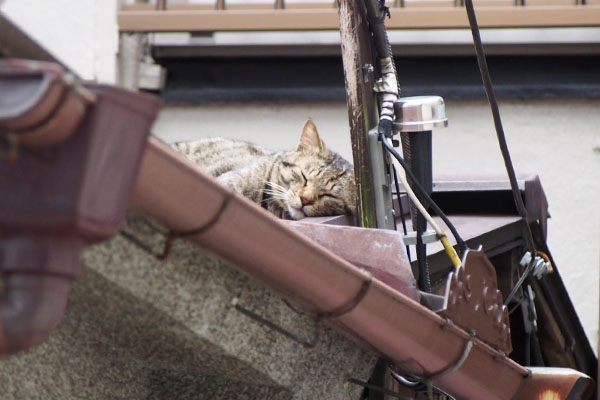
column 421, row 166
column 389, row 322
column 37, row 275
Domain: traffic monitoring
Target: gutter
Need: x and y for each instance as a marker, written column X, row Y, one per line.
column 416, row 340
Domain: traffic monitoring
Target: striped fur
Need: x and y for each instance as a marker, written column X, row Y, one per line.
column 308, row 181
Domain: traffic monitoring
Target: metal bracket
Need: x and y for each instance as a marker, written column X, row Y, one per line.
column 380, row 164
column 473, row 301
column 319, row 317
column 410, row 239
column 428, row 380
column 172, row 235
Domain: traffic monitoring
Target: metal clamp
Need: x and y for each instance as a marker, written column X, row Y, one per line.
column 541, row 265
column 410, row 239
column 428, row 380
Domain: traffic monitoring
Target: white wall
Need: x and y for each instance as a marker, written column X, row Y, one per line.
column 81, row 33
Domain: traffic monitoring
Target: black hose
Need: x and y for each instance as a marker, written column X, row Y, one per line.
column 401, row 209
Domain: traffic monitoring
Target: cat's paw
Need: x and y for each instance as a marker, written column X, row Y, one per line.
column 295, row 214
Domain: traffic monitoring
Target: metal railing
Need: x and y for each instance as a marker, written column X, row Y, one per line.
column 278, row 15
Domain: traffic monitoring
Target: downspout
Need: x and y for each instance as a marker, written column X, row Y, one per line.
column 64, row 183
column 71, row 191
column 37, row 275
column 412, row 337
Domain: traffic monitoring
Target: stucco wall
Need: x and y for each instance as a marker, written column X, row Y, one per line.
column 139, row 328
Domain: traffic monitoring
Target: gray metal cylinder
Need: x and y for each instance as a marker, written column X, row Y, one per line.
column 419, row 114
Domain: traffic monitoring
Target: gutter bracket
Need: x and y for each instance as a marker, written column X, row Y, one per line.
column 449, row 369
column 319, row 318
column 172, row 235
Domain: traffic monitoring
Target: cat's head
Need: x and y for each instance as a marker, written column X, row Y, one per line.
column 316, row 180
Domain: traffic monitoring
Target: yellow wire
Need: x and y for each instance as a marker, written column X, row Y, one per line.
column 450, row 250
column 439, row 231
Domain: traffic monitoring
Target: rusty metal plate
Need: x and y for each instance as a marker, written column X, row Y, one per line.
column 379, row 251
column 473, row 301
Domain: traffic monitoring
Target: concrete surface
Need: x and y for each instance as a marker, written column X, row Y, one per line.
column 137, row 328
column 558, row 139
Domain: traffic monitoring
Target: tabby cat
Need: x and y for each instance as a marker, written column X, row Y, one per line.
column 308, row 181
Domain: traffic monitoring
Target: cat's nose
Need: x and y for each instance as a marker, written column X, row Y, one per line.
column 307, row 200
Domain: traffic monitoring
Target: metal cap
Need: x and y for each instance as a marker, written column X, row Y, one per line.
column 419, row 113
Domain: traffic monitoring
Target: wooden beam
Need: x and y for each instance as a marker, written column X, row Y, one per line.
column 194, row 20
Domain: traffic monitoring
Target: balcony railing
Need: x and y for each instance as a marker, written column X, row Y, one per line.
column 280, row 15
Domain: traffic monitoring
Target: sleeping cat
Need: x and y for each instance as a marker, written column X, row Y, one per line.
column 308, row 181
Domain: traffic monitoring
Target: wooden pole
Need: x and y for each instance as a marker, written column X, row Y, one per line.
column 358, row 60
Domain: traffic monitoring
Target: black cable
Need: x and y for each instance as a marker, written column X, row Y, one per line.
column 424, row 279
column 527, row 350
column 423, row 194
column 489, row 91
column 402, row 219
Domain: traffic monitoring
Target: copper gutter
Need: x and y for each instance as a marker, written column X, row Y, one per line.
column 415, row 339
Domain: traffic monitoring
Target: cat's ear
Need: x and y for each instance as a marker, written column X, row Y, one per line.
column 310, row 139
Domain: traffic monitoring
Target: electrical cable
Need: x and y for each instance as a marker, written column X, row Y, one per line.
column 489, row 91
column 402, row 219
column 440, row 232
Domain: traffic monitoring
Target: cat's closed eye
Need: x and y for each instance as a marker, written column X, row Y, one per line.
column 328, row 195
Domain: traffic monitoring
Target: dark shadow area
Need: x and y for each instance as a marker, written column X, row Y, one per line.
column 197, row 80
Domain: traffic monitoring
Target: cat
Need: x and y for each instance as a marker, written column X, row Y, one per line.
column 309, row 181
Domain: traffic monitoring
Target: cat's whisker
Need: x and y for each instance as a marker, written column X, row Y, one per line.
column 271, row 200
column 272, row 193
column 275, row 185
